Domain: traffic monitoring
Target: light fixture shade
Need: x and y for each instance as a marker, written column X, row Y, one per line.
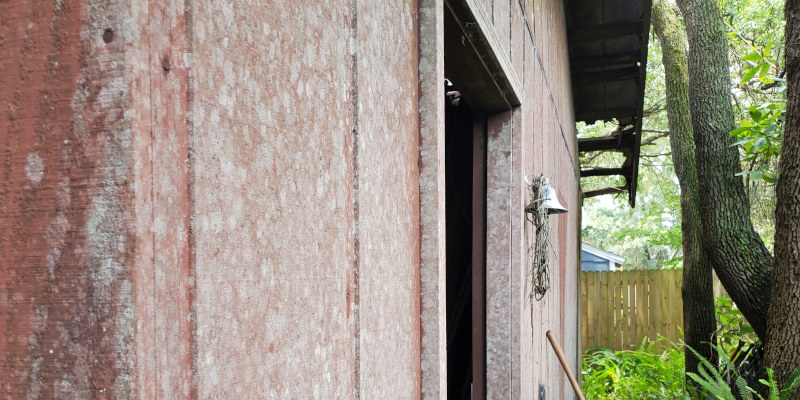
column 549, row 196
column 551, row 201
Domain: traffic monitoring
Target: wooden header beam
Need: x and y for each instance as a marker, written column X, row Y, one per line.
column 580, row 64
column 626, row 140
column 601, row 32
column 591, row 116
column 626, row 171
column 619, row 74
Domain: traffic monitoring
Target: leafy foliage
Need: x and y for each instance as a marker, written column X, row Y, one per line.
column 644, row 373
column 756, row 43
column 648, row 373
column 715, row 386
column 732, row 327
column 760, row 133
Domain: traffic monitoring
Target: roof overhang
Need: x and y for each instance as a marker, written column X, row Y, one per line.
column 615, row 258
column 608, row 62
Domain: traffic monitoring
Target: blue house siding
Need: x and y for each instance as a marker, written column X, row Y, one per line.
column 591, row 262
column 595, row 259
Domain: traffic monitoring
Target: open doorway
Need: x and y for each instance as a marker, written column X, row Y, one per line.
column 465, row 144
column 479, row 89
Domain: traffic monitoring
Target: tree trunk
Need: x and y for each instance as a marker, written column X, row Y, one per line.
column 783, row 344
column 699, row 323
column 735, row 250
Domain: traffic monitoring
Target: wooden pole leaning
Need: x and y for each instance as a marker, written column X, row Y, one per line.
column 563, row 360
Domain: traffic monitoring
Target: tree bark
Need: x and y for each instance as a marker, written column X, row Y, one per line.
column 699, row 321
column 783, row 336
column 735, row 250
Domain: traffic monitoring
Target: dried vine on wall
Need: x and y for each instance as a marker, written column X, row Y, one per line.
column 537, row 214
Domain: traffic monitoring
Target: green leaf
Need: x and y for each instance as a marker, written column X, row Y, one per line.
column 764, row 68
column 753, row 57
column 738, row 131
column 744, row 141
column 792, row 384
column 755, row 114
column 759, row 144
column 770, row 178
column 749, row 75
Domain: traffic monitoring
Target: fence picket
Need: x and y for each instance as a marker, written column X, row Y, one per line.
column 596, row 327
column 641, row 307
column 654, row 305
column 629, row 286
column 584, row 305
column 606, row 322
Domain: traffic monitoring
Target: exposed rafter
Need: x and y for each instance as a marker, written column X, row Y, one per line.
column 625, row 140
column 600, row 192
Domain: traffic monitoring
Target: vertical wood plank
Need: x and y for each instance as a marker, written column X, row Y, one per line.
column 617, row 308
column 630, row 323
column 594, row 317
column 669, row 300
column 653, row 308
column 678, row 286
column 634, row 312
column 664, row 295
column 641, row 306
column 623, row 309
column 584, row 310
column 612, row 310
column 678, row 309
column 605, row 315
column 622, row 313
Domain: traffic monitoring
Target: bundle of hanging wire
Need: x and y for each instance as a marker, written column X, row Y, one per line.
column 537, row 215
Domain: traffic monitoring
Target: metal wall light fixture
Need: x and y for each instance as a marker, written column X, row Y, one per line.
column 548, row 196
column 551, row 200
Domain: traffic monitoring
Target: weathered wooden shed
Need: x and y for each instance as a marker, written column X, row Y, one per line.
column 239, row 199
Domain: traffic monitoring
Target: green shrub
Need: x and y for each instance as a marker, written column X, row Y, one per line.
column 732, row 328
column 642, row 374
column 648, row 373
column 715, row 387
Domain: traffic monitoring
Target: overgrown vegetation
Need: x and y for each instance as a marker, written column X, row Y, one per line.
column 722, row 382
column 654, row 371
column 732, row 329
column 645, row 373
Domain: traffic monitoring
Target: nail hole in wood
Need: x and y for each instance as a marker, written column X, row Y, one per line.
column 108, row 35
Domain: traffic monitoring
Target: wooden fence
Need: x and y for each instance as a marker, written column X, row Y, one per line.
column 619, row 309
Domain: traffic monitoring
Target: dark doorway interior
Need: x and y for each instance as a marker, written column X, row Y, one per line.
column 465, row 194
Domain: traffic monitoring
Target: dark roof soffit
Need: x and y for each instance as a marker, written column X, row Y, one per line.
column 608, row 42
